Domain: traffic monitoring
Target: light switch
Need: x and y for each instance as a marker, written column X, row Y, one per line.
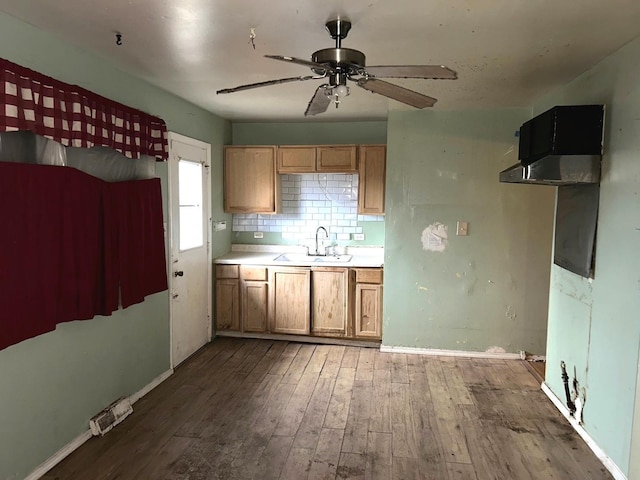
column 462, row 229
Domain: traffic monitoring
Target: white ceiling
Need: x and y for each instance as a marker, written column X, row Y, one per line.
column 506, row 52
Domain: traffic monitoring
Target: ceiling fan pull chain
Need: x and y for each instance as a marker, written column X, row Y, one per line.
column 252, row 37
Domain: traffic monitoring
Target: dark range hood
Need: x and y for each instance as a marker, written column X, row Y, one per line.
column 562, row 146
column 555, row 170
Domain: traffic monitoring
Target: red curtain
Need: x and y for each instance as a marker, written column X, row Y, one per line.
column 71, row 243
column 76, row 117
column 134, row 214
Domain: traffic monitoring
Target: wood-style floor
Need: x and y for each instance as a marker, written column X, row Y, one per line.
column 258, row 409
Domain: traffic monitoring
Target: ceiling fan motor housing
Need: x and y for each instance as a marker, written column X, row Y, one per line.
column 346, row 59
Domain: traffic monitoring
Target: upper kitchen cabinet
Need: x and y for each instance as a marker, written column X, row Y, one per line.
column 337, row 159
column 313, row 159
column 296, row 159
column 372, row 172
column 250, row 181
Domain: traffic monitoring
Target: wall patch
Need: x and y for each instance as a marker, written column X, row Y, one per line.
column 434, row 237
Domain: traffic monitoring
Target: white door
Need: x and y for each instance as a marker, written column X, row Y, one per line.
column 190, row 262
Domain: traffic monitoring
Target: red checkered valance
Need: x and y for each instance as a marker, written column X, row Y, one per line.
column 76, row 117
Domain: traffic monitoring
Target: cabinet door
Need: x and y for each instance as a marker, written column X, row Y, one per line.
column 254, row 306
column 329, row 307
column 372, row 172
column 368, row 314
column 250, row 180
column 289, row 300
column 227, row 304
column 336, row 159
column 296, row 159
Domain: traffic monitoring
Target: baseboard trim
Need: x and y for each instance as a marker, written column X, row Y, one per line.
column 77, row 442
column 591, row 443
column 153, row 384
column 434, row 352
column 60, row 455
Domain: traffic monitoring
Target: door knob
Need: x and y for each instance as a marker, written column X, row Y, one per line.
column 179, row 273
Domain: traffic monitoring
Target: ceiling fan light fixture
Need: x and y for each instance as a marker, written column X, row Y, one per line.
column 341, row 91
column 336, row 92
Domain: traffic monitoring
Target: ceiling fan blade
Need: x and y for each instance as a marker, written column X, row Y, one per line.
column 319, row 68
column 265, row 84
column 412, row 71
column 397, row 92
column 319, row 102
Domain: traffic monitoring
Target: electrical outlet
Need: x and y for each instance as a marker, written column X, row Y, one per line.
column 462, row 229
column 358, row 236
column 258, row 235
column 219, row 226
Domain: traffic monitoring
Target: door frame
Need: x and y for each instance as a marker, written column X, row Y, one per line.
column 208, row 233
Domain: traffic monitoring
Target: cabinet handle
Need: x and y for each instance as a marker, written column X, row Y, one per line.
column 179, row 273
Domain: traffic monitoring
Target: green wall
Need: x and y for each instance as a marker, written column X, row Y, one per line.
column 487, row 289
column 311, row 133
column 52, row 384
column 594, row 325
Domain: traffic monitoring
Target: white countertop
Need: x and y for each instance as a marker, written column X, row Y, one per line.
column 267, row 254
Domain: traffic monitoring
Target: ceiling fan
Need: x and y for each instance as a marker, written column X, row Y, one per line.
column 341, row 64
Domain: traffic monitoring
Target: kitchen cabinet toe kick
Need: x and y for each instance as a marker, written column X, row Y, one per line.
column 343, row 341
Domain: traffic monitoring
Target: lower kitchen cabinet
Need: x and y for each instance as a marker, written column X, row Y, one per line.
column 337, row 302
column 368, row 303
column 329, row 301
column 289, row 296
column 227, row 298
column 254, row 288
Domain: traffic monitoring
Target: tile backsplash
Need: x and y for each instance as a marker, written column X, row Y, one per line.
column 309, row 201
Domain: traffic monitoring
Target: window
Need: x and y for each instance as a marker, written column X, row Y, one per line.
column 190, row 200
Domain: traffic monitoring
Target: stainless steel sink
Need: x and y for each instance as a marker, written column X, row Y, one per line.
column 306, row 259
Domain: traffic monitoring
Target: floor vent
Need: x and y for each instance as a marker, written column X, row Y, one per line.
column 111, row 416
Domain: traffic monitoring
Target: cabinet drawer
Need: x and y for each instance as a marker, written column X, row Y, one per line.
column 253, row 273
column 227, row 271
column 369, row 275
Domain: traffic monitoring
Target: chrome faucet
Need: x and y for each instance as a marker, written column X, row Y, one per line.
column 326, row 235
